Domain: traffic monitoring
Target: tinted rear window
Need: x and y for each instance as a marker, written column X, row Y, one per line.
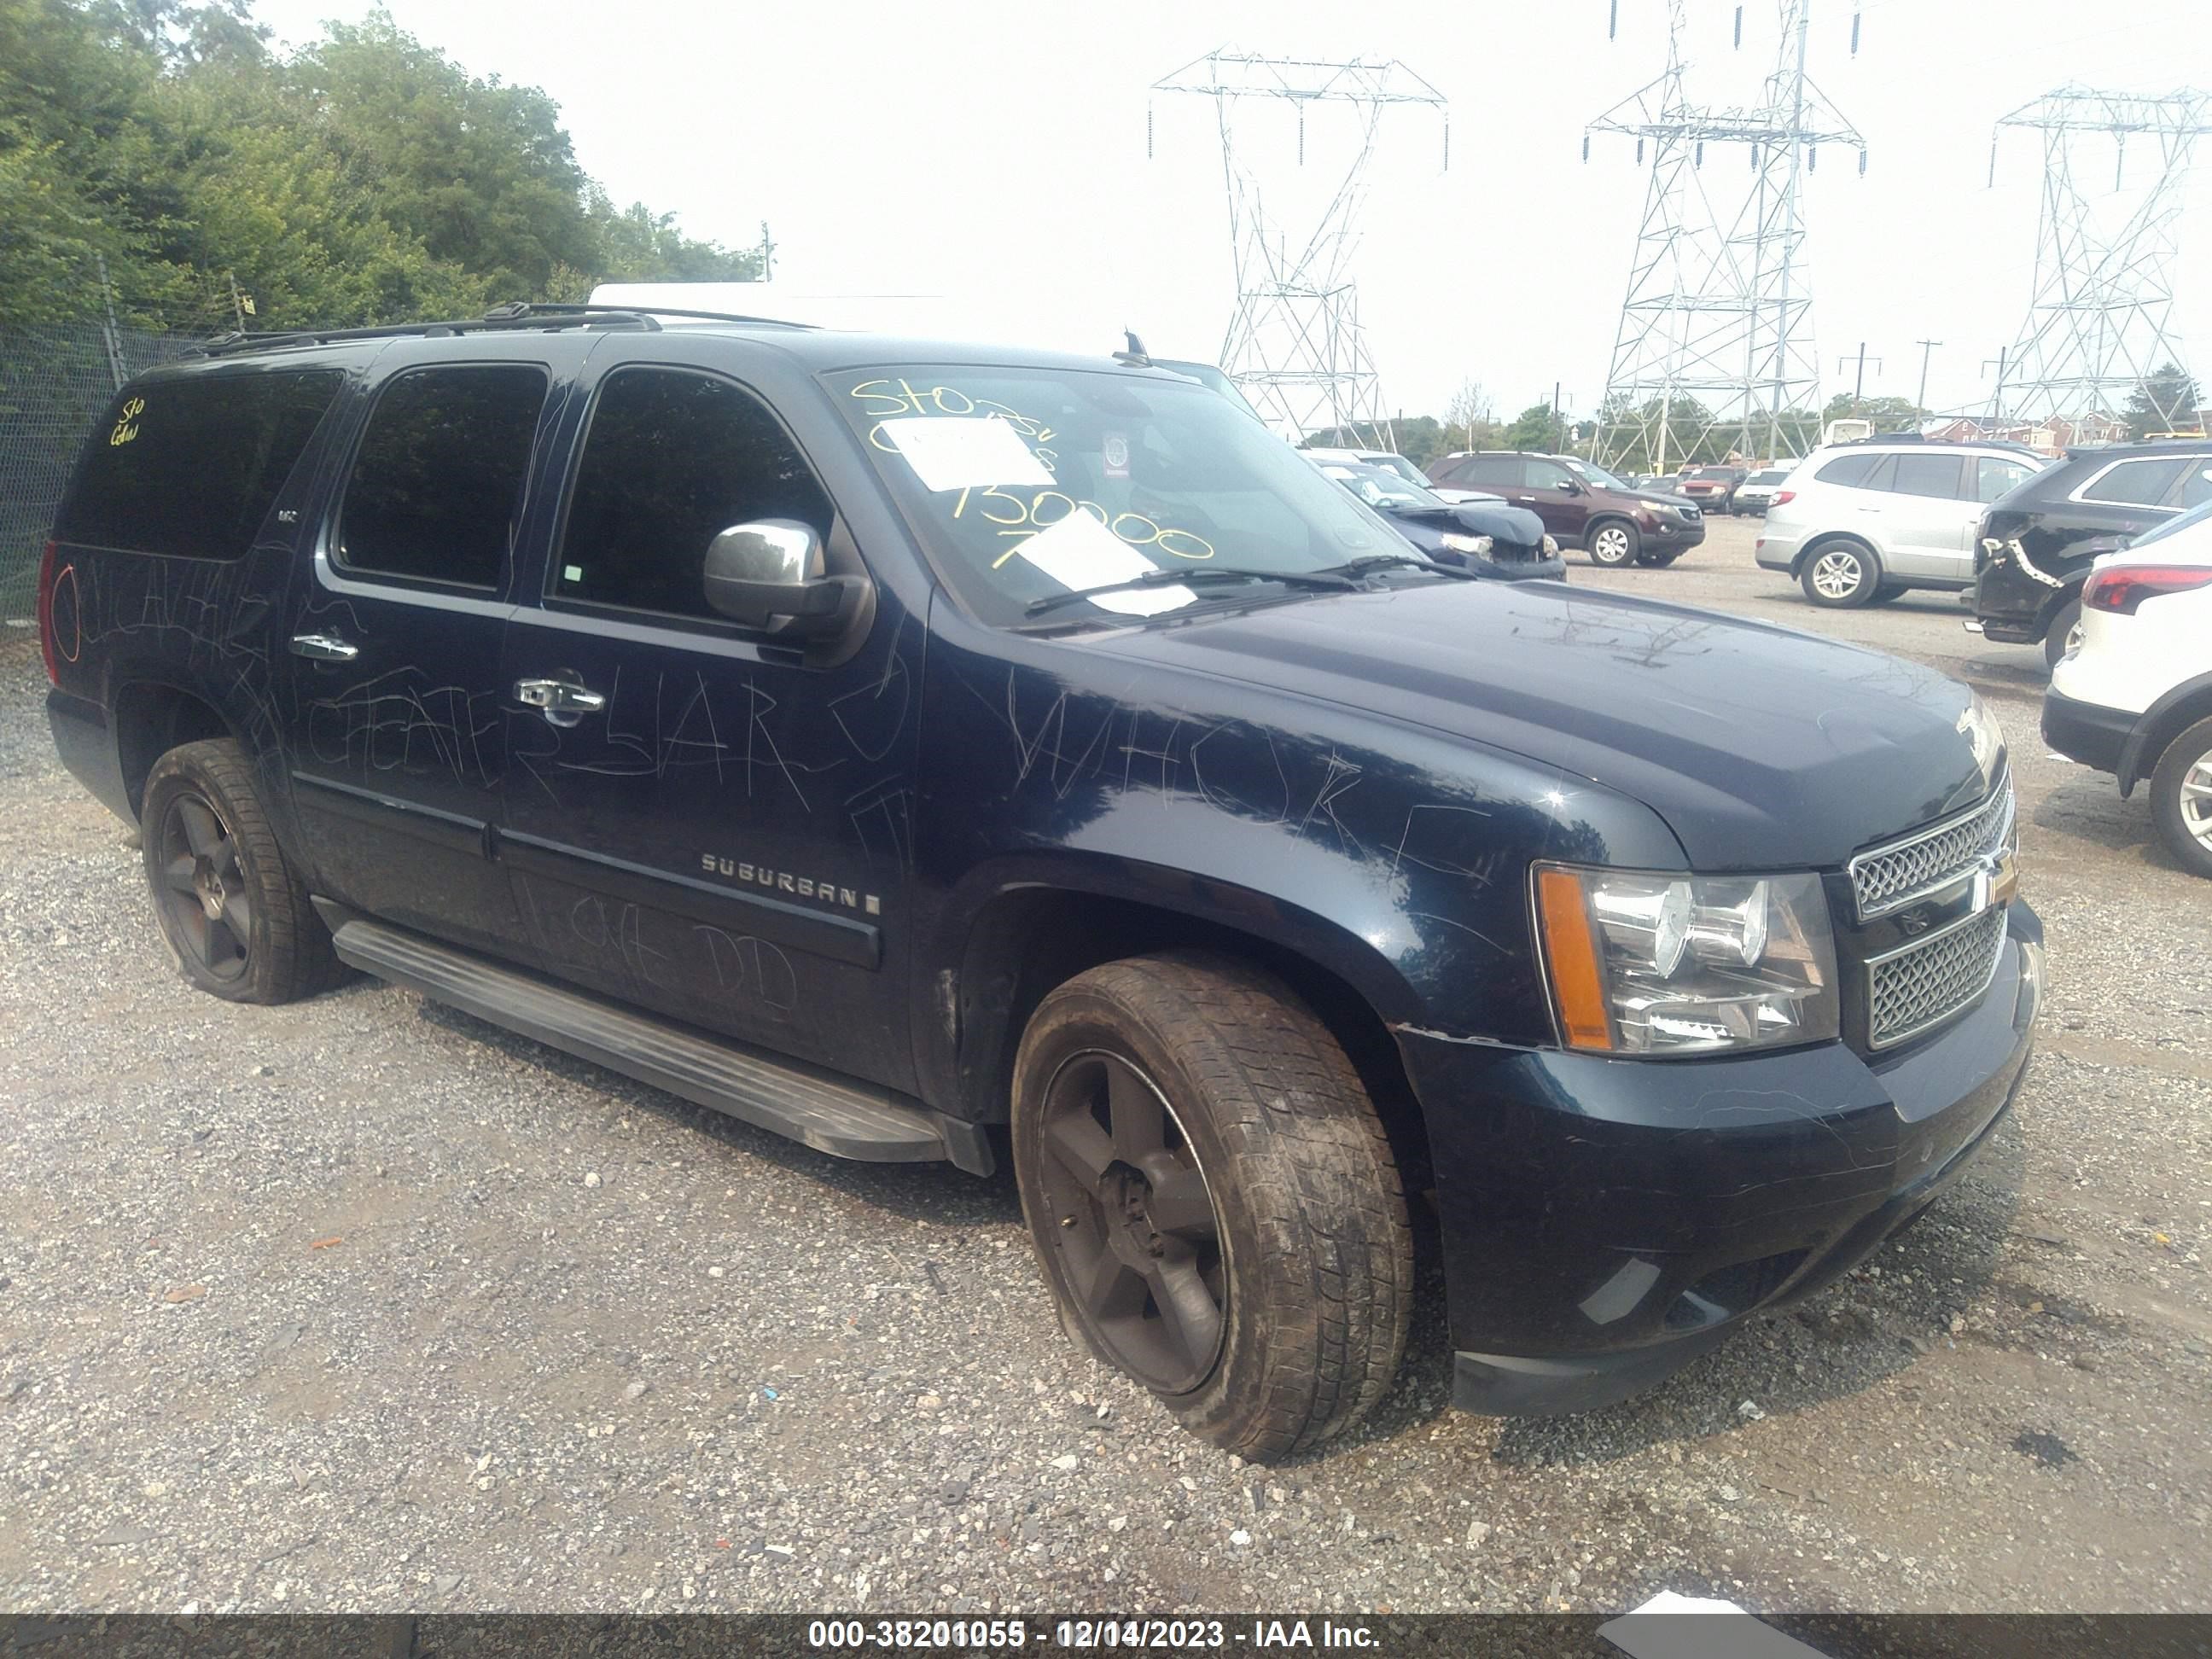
column 2137, row 483
column 1852, row 469
column 1927, row 475
column 188, row 467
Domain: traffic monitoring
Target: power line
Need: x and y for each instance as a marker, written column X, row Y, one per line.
column 1295, row 344
column 1718, row 311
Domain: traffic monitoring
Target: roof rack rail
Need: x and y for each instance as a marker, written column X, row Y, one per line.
column 650, row 310
column 516, row 315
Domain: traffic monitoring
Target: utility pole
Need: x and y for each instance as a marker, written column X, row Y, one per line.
column 767, row 254
column 1558, row 429
column 1927, row 348
column 1858, row 386
column 1997, row 391
column 237, row 300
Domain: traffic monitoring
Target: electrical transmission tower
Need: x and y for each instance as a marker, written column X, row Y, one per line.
column 2101, row 322
column 1716, row 332
column 1295, row 344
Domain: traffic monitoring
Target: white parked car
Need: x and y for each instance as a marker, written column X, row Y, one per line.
column 1756, row 492
column 2133, row 696
column 1388, row 460
column 1862, row 523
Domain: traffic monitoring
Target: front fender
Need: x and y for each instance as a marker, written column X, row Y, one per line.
column 1393, row 856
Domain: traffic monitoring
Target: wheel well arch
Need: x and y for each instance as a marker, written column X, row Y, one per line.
column 1026, row 941
column 1815, row 543
column 2166, row 720
column 151, row 718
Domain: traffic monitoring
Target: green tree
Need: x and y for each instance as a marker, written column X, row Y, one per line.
column 1533, row 428
column 2163, row 401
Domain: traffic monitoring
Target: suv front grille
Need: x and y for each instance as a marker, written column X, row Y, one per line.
column 1932, row 979
column 1890, row 878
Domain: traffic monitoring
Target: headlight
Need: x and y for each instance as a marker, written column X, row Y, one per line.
column 1551, row 548
column 1978, row 726
column 1475, row 545
column 1658, row 965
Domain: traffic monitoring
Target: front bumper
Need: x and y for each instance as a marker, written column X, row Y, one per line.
column 1605, row 1221
column 1667, row 531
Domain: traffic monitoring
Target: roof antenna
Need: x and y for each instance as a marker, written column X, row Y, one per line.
column 1135, row 356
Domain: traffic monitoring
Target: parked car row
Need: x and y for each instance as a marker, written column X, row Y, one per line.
column 1581, row 503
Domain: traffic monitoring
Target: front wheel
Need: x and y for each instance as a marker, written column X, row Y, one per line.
column 1614, row 544
column 1841, row 575
column 1212, row 1197
column 2181, row 798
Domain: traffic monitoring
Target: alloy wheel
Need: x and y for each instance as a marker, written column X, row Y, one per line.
column 1610, row 545
column 1837, row 573
column 204, row 889
column 2197, row 799
column 1140, row 1238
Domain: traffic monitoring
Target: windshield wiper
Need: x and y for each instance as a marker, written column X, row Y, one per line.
column 1200, row 576
column 1359, row 566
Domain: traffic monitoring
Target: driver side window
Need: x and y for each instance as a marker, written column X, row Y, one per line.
column 671, row 459
column 1545, row 475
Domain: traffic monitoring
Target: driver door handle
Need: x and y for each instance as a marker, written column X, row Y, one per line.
column 323, row 647
column 558, row 698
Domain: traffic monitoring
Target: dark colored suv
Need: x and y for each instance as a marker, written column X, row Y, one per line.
column 1581, row 503
column 930, row 753
column 1713, row 488
column 2035, row 543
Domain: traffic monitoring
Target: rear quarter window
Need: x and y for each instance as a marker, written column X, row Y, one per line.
column 188, row 467
column 1849, row 471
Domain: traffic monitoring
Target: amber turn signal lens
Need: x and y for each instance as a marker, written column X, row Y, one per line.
column 1571, row 951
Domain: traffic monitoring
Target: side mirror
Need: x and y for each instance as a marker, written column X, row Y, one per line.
column 768, row 575
column 1571, row 487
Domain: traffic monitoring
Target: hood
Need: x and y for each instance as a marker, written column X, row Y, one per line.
column 1763, row 747
column 1656, row 497
column 1488, row 516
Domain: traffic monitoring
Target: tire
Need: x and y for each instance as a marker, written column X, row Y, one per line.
column 231, row 907
column 1652, row 558
column 1889, row 593
column 2060, row 634
column 1283, row 1238
column 1840, row 576
column 1612, row 542
column 2181, row 798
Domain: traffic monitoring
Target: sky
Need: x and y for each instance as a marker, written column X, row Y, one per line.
column 995, row 154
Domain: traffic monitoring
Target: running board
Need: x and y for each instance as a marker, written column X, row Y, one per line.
column 812, row 1107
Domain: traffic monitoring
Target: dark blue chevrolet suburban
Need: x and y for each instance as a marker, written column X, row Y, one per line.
column 931, row 752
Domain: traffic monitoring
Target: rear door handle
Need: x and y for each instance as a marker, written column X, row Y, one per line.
column 558, row 698
column 323, row 647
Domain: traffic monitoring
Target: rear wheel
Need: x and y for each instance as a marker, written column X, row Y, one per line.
column 2064, row 631
column 1889, row 593
column 1654, row 558
column 1614, row 543
column 1212, row 1199
column 233, row 912
column 1840, row 576
column 2181, row 798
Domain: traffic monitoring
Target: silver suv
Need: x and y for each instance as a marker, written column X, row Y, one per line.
column 1861, row 523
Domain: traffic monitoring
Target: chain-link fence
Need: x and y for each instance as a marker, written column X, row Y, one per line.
column 54, row 380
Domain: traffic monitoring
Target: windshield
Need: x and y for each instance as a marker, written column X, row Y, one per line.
column 1597, row 474
column 1378, row 487
column 1399, row 466
column 1028, row 483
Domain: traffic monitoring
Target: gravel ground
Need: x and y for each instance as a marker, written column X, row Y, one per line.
column 363, row 1304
